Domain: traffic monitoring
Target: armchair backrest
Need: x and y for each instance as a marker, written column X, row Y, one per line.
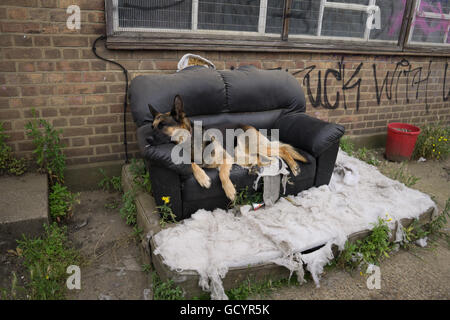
column 244, row 95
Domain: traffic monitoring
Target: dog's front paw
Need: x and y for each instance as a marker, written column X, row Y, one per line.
column 230, row 191
column 204, row 180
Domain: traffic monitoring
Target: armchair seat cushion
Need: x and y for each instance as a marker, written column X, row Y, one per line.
column 192, row 191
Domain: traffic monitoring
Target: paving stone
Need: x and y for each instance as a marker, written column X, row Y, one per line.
column 23, row 207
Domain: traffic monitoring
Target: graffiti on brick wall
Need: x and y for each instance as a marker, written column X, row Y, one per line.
column 386, row 85
column 445, row 92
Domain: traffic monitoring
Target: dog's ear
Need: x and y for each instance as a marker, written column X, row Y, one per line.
column 178, row 109
column 153, row 111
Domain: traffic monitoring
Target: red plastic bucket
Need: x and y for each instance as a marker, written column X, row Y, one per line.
column 401, row 140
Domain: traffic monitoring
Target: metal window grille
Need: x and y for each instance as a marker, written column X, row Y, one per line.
column 322, row 19
column 431, row 23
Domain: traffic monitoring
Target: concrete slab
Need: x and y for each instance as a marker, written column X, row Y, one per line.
column 23, row 207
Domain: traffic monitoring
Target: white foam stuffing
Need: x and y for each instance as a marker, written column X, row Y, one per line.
column 358, row 194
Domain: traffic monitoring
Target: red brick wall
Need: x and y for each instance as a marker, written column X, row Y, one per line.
column 50, row 68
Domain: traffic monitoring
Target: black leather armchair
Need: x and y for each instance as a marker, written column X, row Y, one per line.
column 265, row 99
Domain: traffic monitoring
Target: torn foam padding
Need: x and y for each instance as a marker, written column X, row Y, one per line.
column 212, row 242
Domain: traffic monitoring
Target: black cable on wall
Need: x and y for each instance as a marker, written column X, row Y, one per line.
column 125, row 103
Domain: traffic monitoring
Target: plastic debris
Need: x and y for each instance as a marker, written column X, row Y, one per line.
column 190, row 59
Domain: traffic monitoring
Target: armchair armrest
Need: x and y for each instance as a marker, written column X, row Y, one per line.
column 159, row 155
column 307, row 133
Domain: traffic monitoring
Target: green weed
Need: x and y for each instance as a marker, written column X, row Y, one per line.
column 110, row 183
column 112, row 205
column 433, row 142
column 165, row 210
column 128, row 210
column 369, row 250
column 244, row 196
column 165, row 290
column 48, row 148
column 363, row 153
column 47, row 259
column 14, row 292
column 436, row 226
column 137, row 233
column 347, row 145
column 401, row 174
column 368, row 156
column 146, row 267
column 251, row 288
column 141, row 176
column 61, row 201
column 8, row 163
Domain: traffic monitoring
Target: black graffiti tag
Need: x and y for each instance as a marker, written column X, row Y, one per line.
column 322, row 97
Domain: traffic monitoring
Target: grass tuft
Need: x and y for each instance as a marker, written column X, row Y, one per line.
column 47, row 258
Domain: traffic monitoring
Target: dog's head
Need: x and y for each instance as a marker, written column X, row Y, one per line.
column 166, row 124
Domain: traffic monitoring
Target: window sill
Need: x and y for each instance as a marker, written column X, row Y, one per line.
column 177, row 41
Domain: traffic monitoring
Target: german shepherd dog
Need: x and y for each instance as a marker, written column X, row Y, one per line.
column 166, row 125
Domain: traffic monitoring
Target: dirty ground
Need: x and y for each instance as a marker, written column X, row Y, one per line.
column 113, row 267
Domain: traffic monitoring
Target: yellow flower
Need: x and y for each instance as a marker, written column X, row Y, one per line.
column 46, row 277
column 166, row 199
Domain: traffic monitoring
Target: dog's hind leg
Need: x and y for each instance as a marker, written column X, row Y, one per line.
column 286, row 156
column 201, row 176
column 227, row 185
column 294, row 153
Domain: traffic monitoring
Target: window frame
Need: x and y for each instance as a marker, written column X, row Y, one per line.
column 428, row 15
column 225, row 40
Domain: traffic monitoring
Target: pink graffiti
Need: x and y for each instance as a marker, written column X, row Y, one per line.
column 397, row 20
column 421, row 22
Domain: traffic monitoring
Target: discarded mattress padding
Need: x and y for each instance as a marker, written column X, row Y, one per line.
column 210, row 243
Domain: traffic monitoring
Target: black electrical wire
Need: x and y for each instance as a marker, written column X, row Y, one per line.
column 125, row 103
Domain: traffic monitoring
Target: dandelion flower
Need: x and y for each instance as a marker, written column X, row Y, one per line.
column 166, row 199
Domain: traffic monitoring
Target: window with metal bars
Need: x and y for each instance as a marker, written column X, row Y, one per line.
column 276, row 25
column 431, row 23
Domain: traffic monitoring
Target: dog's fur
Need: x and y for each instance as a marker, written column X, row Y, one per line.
column 165, row 126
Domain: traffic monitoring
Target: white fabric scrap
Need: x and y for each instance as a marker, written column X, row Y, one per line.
column 422, row 242
column 271, row 177
column 212, row 242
